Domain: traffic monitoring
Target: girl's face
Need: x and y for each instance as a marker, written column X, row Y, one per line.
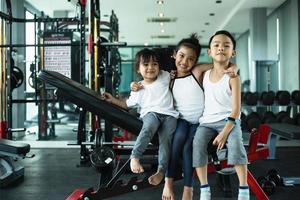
column 221, row 48
column 149, row 69
column 185, row 59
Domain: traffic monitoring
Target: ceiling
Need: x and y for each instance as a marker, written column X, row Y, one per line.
column 190, row 15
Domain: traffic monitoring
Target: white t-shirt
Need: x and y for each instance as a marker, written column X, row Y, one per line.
column 217, row 104
column 188, row 98
column 155, row 97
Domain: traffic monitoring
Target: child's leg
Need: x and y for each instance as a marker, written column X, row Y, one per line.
column 187, row 193
column 178, row 142
column 179, row 139
column 150, row 127
column 168, row 192
column 241, row 171
column 237, row 156
column 188, row 163
column 200, row 158
column 165, row 133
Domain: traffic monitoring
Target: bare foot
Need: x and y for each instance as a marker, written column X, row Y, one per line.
column 156, row 178
column 187, row 193
column 136, row 166
column 168, row 193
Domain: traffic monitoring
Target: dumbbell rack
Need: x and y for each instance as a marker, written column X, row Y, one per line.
column 268, row 103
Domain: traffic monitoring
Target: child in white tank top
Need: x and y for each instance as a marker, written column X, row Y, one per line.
column 221, row 116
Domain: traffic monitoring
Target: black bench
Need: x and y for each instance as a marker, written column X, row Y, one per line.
column 282, row 130
column 91, row 101
column 11, row 171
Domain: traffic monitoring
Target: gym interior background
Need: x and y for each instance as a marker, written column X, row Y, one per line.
column 48, row 138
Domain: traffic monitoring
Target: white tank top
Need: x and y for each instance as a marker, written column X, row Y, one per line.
column 217, row 104
column 188, row 98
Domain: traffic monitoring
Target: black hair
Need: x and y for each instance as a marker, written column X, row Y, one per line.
column 223, row 32
column 191, row 42
column 145, row 55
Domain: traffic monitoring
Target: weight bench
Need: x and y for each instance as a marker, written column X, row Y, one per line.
column 91, row 101
column 286, row 131
column 10, row 170
column 282, row 130
column 257, row 150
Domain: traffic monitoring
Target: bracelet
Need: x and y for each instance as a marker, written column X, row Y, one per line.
column 231, row 119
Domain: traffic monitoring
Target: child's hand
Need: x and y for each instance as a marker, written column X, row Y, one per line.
column 107, row 97
column 173, row 74
column 220, row 140
column 136, row 86
column 232, row 71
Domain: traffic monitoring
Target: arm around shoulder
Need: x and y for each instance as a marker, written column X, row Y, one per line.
column 200, row 68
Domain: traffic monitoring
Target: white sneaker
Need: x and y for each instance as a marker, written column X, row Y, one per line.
column 244, row 194
column 205, row 193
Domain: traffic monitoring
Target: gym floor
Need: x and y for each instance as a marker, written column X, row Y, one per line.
column 53, row 174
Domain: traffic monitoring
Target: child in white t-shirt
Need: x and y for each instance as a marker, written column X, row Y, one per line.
column 157, row 112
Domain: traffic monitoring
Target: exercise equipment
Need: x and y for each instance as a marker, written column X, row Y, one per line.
column 284, row 117
column 267, row 98
column 269, row 182
column 268, row 117
column 91, row 101
column 243, row 121
column 17, row 78
column 251, row 98
column 274, row 176
column 103, row 158
column 222, row 174
column 283, row 97
column 267, row 185
column 253, row 120
column 10, row 170
column 297, row 119
column 281, row 130
column 296, row 97
column 254, row 152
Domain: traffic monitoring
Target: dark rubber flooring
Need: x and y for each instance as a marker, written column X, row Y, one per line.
column 52, row 174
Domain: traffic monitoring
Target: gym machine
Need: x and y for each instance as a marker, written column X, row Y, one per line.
column 91, row 101
column 10, row 170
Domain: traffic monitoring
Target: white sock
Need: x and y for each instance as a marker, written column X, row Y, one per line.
column 205, row 192
column 244, row 193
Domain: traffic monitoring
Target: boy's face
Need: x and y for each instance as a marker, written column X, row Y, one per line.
column 185, row 59
column 221, row 48
column 149, row 69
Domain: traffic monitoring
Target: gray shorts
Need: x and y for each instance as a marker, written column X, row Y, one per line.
column 236, row 151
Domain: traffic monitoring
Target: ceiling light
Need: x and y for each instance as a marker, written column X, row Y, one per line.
column 211, row 14
column 160, row 2
column 162, row 30
column 218, row 1
column 161, row 14
column 162, row 19
column 162, row 36
column 161, row 24
column 146, row 44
